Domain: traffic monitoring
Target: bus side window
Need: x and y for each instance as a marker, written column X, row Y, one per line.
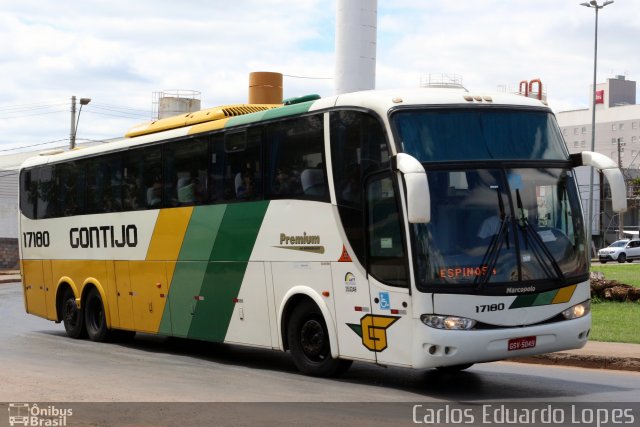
column 358, row 148
column 185, row 175
column 28, row 193
column 296, row 159
column 46, row 203
column 243, row 165
column 386, row 253
column 142, row 168
column 104, row 184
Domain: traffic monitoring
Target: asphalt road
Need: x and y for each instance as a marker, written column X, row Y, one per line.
column 38, row 363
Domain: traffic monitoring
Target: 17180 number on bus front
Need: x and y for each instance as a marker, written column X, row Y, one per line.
column 489, row 307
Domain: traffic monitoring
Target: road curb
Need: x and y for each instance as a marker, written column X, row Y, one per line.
column 583, row 361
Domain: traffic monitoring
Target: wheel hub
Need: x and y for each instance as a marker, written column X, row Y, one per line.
column 313, row 339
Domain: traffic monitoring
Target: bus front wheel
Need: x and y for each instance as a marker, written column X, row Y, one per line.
column 308, row 339
column 94, row 317
column 72, row 316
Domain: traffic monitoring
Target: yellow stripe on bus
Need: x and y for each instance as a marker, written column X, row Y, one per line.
column 168, row 234
column 207, row 126
column 564, row 295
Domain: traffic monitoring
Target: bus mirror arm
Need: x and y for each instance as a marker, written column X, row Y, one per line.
column 417, row 186
column 610, row 169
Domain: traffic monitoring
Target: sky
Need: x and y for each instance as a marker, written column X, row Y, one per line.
column 119, row 53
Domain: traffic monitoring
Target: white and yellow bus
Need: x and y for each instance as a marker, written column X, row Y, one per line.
column 419, row 228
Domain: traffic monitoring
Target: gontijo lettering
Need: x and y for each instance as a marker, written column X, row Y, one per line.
column 105, row 236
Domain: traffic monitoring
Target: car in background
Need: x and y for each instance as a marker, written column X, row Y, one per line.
column 621, row 251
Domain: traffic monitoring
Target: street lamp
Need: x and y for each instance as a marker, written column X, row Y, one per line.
column 594, row 5
column 74, row 121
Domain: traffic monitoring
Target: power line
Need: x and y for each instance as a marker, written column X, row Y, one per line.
column 308, row 77
column 33, row 145
column 117, row 115
column 33, row 114
column 30, row 105
column 116, row 110
column 121, row 108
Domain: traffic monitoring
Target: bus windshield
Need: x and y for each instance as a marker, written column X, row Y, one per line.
column 448, row 134
column 493, row 228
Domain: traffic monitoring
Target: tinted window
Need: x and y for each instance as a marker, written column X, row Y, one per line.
column 70, row 185
column 45, row 204
column 296, row 159
column 185, row 172
column 243, row 171
column 28, row 193
column 358, row 148
column 386, row 255
column 142, row 179
column 104, row 184
column 478, row 134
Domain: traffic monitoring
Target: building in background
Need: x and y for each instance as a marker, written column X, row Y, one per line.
column 618, row 137
column 9, row 166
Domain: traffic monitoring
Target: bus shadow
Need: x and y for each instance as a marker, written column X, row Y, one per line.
column 479, row 383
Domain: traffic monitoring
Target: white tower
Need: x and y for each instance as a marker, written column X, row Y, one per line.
column 355, row 45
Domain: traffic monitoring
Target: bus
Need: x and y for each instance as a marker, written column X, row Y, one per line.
column 427, row 228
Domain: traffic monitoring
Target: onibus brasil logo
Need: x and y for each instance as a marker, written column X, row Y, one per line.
column 25, row 414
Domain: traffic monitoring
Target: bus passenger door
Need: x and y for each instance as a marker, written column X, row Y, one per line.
column 353, row 309
column 390, row 324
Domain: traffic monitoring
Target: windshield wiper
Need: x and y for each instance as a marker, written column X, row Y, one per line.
column 490, row 257
column 537, row 245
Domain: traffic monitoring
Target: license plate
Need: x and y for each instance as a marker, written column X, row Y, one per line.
column 521, row 343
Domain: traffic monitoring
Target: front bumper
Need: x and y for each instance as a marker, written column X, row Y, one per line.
column 435, row 347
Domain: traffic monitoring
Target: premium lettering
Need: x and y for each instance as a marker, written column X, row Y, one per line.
column 299, row 240
column 105, row 236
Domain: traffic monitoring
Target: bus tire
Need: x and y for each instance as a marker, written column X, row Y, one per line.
column 72, row 316
column 308, row 340
column 94, row 317
column 454, row 368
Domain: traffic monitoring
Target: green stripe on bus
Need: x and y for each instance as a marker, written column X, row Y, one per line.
column 289, row 110
column 238, row 231
column 213, row 259
column 202, row 233
column 225, row 271
column 523, row 301
column 213, row 311
column 180, row 308
column 544, row 298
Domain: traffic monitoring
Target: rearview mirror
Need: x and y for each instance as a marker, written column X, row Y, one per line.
column 417, row 186
column 610, row 169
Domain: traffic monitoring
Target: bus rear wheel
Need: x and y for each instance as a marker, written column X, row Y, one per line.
column 72, row 316
column 308, row 339
column 94, row 317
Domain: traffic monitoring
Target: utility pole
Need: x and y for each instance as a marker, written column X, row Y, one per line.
column 72, row 135
column 620, row 214
column 74, row 121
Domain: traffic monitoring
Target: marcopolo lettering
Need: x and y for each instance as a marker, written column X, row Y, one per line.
column 104, row 236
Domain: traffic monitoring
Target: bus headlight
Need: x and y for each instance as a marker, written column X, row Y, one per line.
column 577, row 310
column 447, row 322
